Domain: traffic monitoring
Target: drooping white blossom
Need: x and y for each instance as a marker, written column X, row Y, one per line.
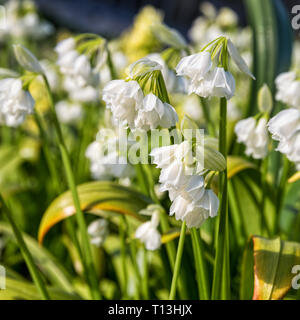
column 176, row 164
column 81, row 80
column 285, row 128
column 123, row 99
column 98, row 231
column 288, row 89
column 106, row 162
column 147, row 232
column 254, row 135
column 15, row 103
column 130, row 107
column 154, row 113
column 191, row 201
column 68, row 112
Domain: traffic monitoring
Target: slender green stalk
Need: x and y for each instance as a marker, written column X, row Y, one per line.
column 145, row 283
column 221, row 279
column 200, row 264
column 138, row 277
column 123, row 228
column 206, row 113
column 89, row 264
column 264, row 172
column 282, row 189
column 37, row 279
column 178, row 262
column 47, row 153
column 55, row 178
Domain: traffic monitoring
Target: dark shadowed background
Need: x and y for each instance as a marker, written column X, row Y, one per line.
column 111, row 17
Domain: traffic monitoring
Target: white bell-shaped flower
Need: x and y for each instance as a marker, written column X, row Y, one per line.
column 193, row 203
column 98, row 231
column 154, row 113
column 68, row 112
column 254, row 135
column 15, row 103
column 124, row 99
column 222, row 84
column 195, row 66
column 177, row 163
column 285, row 128
column 147, row 232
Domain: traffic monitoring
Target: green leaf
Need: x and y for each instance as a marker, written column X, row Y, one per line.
column 272, row 261
column 23, row 290
column 271, row 42
column 295, row 177
column 237, row 164
column 96, row 198
column 47, row 263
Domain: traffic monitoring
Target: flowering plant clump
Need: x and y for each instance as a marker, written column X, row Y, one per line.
column 150, row 165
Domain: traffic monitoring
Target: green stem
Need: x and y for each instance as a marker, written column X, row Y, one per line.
column 55, row 178
column 178, row 262
column 123, row 228
column 89, row 264
column 145, row 275
column 221, row 279
column 200, row 264
column 206, row 113
column 37, row 279
column 264, row 172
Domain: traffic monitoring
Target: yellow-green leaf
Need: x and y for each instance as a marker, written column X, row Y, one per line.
column 237, row 164
column 272, row 262
column 96, row 198
column 295, row 177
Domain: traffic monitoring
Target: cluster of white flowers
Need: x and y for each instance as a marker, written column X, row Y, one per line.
column 130, row 107
column 254, row 135
column 285, row 128
column 80, row 79
column 288, row 89
column 15, row 103
column 98, row 231
column 208, row 81
column 105, row 160
column 68, row 112
column 191, row 201
column 147, row 232
column 27, row 25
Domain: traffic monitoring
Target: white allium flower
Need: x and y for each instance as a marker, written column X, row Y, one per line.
column 68, row 112
column 285, row 128
column 154, row 113
column 194, row 213
column 176, row 163
column 123, row 99
column 191, row 202
column 288, row 89
column 20, row 25
column 147, row 232
column 65, row 46
column 195, row 66
column 254, row 135
column 98, row 231
column 222, row 84
column 15, row 103
column 204, row 81
column 105, row 161
column 81, row 81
